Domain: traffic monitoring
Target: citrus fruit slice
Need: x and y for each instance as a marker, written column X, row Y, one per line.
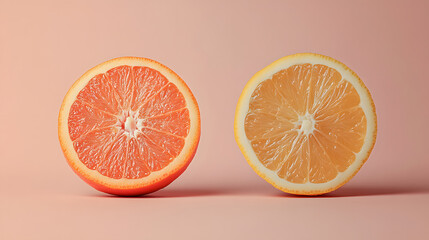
column 306, row 124
column 129, row 126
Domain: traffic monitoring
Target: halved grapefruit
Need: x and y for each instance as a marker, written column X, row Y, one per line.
column 306, row 124
column 129, row 126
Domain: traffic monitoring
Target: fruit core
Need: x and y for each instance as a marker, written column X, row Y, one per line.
column 128, row 123
column 306, row 124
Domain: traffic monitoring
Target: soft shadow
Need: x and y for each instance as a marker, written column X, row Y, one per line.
column 345, row 191
column 360, row 191
column 354, row 191
column 174, row 193
column 171, row 193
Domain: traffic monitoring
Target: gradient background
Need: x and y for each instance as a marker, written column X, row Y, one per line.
column 215, row 47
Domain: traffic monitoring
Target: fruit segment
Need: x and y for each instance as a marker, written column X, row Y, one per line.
column 128, row 122
column 85, row 118
column 168, row 99
column 135, row 165
column 92, row 146
column 175, row 122
column 305, row 123
column 147, row 83
column 100, row 95
column 122, row 80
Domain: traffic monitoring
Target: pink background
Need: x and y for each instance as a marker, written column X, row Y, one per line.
column 215, row 47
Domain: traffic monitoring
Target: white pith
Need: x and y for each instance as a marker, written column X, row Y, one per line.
column 305, row 124
column 127, row 123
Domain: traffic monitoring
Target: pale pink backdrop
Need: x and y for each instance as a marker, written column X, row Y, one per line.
column 215, row 46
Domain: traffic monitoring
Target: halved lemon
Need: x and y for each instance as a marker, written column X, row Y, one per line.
column 306, row 124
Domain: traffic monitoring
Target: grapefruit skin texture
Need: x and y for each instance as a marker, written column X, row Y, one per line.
column 238, row 128
column 144, row 186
